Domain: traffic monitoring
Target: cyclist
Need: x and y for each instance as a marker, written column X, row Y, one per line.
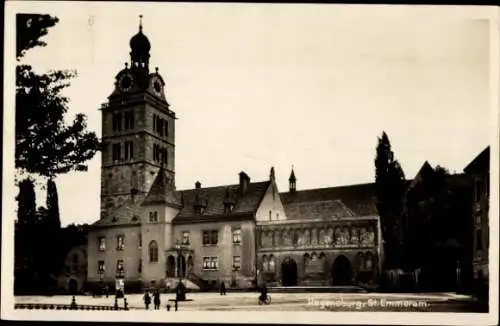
column 263, row 292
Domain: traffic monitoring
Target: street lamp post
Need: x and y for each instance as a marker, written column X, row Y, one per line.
column 181, row 290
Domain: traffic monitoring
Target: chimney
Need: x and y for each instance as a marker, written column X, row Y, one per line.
column 244, row 181
column 197, row 185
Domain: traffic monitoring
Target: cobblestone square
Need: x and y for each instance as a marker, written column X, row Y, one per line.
column 245, row 301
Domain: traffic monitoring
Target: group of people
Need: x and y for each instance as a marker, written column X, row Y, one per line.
column 156, row 299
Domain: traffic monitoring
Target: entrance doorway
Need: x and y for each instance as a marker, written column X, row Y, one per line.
column 289, row 272
column 341, row 271
column 73, row 287
column 171, row 266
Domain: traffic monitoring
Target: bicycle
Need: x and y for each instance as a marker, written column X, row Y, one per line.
column 266, row 301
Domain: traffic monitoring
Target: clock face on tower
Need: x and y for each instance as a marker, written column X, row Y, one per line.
column 125, row 83
column 156, row 84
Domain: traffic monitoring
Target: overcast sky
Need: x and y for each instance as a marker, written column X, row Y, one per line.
column 264, row 85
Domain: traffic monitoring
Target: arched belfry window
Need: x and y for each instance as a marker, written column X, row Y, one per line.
column 153, row 252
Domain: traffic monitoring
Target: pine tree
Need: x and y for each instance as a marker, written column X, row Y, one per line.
column 390, row 186
column 53, row 205
column 52, row 226
column 24, row 238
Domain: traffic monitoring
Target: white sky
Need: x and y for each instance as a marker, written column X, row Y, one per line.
column 264, row 85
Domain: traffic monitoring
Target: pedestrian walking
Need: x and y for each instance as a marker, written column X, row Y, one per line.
column 156, row 300
column 147, row 300
column 222, row 288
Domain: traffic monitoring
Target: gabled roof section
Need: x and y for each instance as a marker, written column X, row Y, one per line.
column 162, row 192
column 127, row 214
column 425, row 171
column 360, row 199
column 480, row 163
column 214, row 199
column 325, row 209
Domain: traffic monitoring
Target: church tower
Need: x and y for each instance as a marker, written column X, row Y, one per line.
column 138, row 131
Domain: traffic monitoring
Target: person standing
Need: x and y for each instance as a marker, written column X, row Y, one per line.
column 156, row 299
column 147, row 300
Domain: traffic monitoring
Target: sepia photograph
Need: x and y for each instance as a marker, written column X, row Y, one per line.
column 250, row 163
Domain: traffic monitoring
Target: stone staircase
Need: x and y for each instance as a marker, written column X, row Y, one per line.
column 171, row 284
column 196, row 280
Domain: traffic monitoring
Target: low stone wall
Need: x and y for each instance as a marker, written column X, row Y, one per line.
column 39, row 306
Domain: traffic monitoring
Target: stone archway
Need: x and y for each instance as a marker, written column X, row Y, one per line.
column 73, row 287
column 171, row 266
column 341, row 271
column 289, row 272
column 181, row 266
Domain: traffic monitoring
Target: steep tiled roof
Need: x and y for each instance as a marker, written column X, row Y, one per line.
column 425, row 171
column 360, row 199
column 162, row 191
column 214, row 197
column 128, row 213
column 480, row 163
column 325, row 209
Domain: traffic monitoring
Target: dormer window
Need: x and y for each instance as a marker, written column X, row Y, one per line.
column 229, row 202
column 200, row 205
column 228, row 208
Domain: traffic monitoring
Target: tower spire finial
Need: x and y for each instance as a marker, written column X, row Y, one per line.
column 140, row 22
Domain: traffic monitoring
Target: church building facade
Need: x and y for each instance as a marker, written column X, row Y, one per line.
column 152, row 234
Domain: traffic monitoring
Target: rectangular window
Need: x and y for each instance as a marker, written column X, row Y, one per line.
column 162, row 122
column 236, row 263
column 129, row 150
column 120, row 242
column 206, row 238
column 166, row 128
column 116, row 154
column 153, row 217
column 157, row 153
column 164, row 155
column 210, row 263
column 237, row 236
column 117, row 122
column 185, row 238
column 154, row 122
column 100, row 267
column 140, row 266
column 140, row 240
column 129, row 120
column 157, row 125
column 102, row 243
column 210, row 238
column 120, row 269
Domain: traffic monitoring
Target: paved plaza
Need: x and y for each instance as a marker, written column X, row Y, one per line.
column 244, row 301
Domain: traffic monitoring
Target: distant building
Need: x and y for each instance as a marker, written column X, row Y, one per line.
column 479, row 171
column 73, row 278
column 152, row 234
column 328, row 236
column 438, row 236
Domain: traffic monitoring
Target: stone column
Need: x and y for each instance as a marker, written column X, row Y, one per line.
column 176, row 263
